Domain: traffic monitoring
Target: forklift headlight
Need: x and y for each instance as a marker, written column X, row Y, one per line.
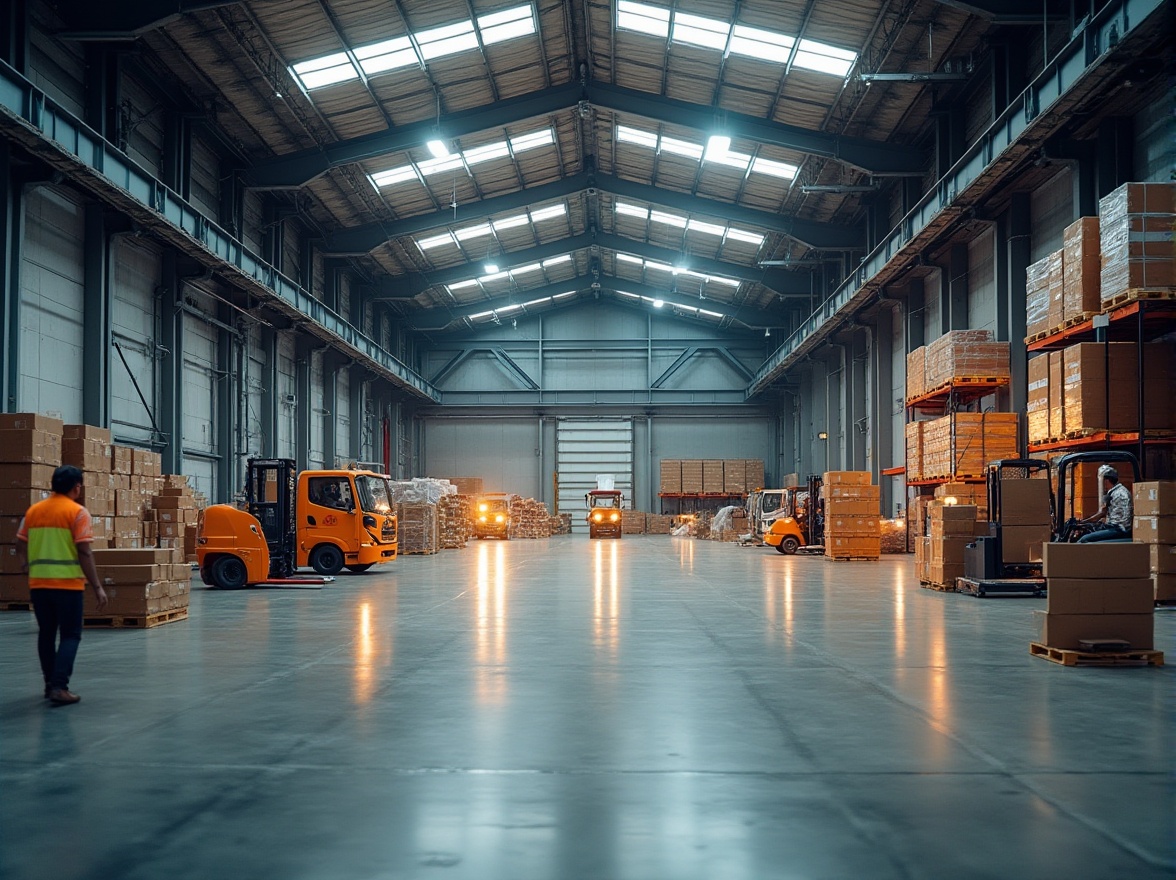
column 613, row 517
column 500, row 518
column 482, row 508
column 598, row 517
column 481, row 519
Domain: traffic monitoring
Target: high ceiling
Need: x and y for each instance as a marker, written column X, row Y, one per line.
column 575, row 136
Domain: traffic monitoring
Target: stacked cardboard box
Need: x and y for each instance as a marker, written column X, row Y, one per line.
column 561, row 524
column 1080, row 269
column 894, row 535
column 1155, row 526
column 671, row 477
column 735, row 476
column 712, row 477
column 753, row 473
column 692, row 477
column 416, row 526
column 30, row 450
column 172, row 513
column 1037, row 402
column 140, row 582
column 658, row 524
column 1135, row 232
column 962, row 354
column 962, row 444
column 1057, row 290
column 852, row 504
column 914, row 451
column 454, row 521
column 975, row 494
column 1025, row 520
column 1097, row 591
column 632, row 522
column 529, row 518
column 1057, row 396
column 1037, row 297
column 916, row 376
column 922, row 559
column 951, row 528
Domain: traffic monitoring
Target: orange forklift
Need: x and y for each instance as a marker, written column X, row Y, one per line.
column 492, row 516
column 325, row 519
column 604, row 513
column 800, row 525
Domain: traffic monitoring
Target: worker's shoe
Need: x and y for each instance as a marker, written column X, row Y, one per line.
column 63, row 697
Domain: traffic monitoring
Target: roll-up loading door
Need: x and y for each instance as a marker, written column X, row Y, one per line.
column 585, row 449
column 200, row 383
column 137, row 266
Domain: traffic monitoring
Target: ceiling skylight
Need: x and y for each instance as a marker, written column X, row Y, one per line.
column 770, row 167
column 674, row 270
column 512, row 274
column 466, row 158
column 399, row 52
column 657, row 304
column 514, row 307
column 679, row 222
column 720, row 35
column 551, row 212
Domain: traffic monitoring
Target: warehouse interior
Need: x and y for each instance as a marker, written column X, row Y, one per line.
column 531, row 248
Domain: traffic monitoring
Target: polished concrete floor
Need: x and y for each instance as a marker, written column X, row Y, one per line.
column 646, row 708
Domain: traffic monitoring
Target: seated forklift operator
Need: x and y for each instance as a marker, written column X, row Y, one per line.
column 1117, row 510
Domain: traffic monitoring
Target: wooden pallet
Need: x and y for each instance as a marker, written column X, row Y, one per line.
column 1029, row 340
column 952, row 478
column 1137, row 294
column 1081, row 658
column 939, row 588
column 16, row 606
column 141, row 621
column 432, row 552
column 852, row 558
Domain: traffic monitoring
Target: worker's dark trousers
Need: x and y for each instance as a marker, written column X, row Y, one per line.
column 58, row 611
column 1110, row 533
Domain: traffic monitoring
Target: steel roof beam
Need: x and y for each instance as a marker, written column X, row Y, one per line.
column 297, row 169
column 359, row 240
column 999, row 11
column 126, row 19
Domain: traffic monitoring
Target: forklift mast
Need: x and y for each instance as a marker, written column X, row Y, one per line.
column 814, row 520
column 270, row 488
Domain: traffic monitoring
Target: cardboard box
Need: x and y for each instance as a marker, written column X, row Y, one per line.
column 1107, row 596
column 36, row 447
column 30, row 422
column 858, row 493
column 851, row 507
column 9, row 562
column 852, row 525
column 949, row 550
column 1165, row 587
column 145, row 556
column 1155, row 498
column 671, row 476
column 175, row 502
column 14, row 502
column 848, row 478
column 1025, row 502
column 121, row 459
column 1163, row 557
column 86, row 432
column 130, row 574
column 14, row 588
column 1064, row 631
column 9, row 526
column 1154, row 530
column 1023, row 544
column 89, row 455
column 944, row 573
column 1081, row 266
column 1096, row 561
column 26, row 476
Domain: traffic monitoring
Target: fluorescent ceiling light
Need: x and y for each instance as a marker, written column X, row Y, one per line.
column 668, row 219
column 490, row 269
column 717, row 151
column 461, row 285
column 472, row 232
column 657, row 303
column 453, row 161
column 531, row 141
column 438, row 148
column 394, row 175
column 710, row 314
column 477, row 155
column 626, row 258
column 772, row 168
column 523, row 270
column 629, row 135
column 435, row 241
column 708, row 228
column 744, row 236
column 510, row 222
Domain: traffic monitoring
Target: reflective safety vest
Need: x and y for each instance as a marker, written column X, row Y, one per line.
column 53, row 527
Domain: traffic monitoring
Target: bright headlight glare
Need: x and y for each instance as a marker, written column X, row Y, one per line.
column 598, row 517
column 614, row 517
column 499, row 518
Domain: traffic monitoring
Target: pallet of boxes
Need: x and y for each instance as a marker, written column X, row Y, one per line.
column 1099, row 606
column 852, row 505
column 529, row 518
column 455, row 523
column 30, row 450
column 939, row 556
column 1155, row 527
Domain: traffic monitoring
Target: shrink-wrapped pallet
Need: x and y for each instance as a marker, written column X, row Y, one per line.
column 1081, row 269
column 965, row 354
column 1136, row 224
column 916, row 372
column 914, row 451
column 1037, row 401
column 1037, row 297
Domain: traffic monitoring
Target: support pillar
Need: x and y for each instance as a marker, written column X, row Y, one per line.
column 302, row 355
column 1013, row 238
column 356, row 401
column 882, row 412
column 857, row 431
column 168, row 297
column 955, row 301
column 331, row 405
column 1115, row 154
column 96, row 327
column 835, row 409
column 177, row 153
column 270, row 410
column 11, row 238
column 226, row 409
column 916, row 325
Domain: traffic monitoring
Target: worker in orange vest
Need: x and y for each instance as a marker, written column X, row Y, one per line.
column 53, row 544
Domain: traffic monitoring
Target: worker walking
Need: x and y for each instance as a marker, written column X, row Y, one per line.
column 1117, row 510
column 53, row 543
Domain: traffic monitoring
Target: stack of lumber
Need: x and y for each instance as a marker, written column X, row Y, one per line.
column 529, row 518
column 852, row 530
column 454, row 521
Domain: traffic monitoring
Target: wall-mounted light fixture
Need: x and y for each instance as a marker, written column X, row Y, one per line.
column 824, row 435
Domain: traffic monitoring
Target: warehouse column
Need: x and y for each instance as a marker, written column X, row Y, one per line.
column 955, row 299
column 916, row 327
column 331, row 406
column 1116, row 153
column 356, row 402
column 302, row 355
column 226, row 407
column 11, row 236
column 168, row 297
column 176, row 169
column 835, row 408
column 858, row 427
column 1013, row 238
column 96, row 328
column 786, row 420
column 883, row 413
column 306, row 267
column 269, row 414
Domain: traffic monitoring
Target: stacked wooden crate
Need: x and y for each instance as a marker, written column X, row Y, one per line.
column 852, row 505
column 454, row 521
